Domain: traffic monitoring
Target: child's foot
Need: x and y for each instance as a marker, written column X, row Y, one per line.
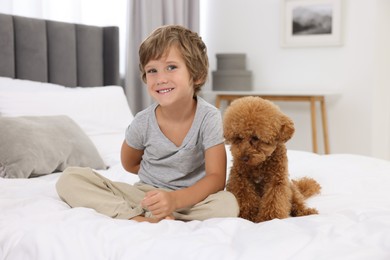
column 170, row 217
column 145, row 219
column 151, row 220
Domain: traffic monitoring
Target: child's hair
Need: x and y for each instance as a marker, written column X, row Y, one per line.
column 190, row 45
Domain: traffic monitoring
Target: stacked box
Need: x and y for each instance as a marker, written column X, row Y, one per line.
column 231, row 73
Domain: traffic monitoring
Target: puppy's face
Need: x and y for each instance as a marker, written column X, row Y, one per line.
column 251, row 149
column 254, row 127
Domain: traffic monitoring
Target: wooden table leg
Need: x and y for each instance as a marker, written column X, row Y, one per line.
column 325, row 126
column 313, row 124
column 218, row 101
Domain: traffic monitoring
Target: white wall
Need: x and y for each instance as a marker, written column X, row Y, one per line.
column 356, row 70
column 381, row 120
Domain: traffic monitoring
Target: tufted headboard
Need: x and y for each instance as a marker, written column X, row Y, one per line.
column 57, row 52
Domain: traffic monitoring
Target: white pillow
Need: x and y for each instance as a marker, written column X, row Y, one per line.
column 102, row 112
column 22, row 85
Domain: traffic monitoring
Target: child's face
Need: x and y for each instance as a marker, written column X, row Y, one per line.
column 168, row 79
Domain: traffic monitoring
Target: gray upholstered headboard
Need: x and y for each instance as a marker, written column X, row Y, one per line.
column 57, row 52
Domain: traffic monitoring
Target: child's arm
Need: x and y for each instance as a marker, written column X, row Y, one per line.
column 162, row 203
column 131, row 158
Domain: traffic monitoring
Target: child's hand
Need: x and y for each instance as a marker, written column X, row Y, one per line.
column 160, row 203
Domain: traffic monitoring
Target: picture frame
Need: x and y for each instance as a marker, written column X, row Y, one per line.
column 310, row 23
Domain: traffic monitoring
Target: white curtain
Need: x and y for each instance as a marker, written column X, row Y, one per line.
column 67, row 11
column 143, row 17
column 94, row 12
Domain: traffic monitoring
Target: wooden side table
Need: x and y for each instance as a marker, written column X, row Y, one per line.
column 312, row 98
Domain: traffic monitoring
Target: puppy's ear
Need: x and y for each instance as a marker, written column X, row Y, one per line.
column 227, row 140
column 287, row 129
column 228, row 135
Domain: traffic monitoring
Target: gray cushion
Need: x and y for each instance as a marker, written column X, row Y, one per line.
column 62, row 56
column 7, row 54
column 31, row 54
column 33, row 146
column 89, row 55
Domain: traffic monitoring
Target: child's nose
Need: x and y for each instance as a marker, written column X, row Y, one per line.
column 162, row 79
column 161, row 82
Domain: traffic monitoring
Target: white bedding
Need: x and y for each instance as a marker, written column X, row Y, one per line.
column 354, row 205
column 354, row 221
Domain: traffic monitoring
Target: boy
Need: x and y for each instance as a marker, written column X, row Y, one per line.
column 175, row 146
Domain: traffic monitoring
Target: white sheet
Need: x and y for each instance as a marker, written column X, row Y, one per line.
column 354, row 221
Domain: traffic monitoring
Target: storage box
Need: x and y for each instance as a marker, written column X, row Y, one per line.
column 231, row 61
column 234, row 80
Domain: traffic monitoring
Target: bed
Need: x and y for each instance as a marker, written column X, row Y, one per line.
column 60, row 105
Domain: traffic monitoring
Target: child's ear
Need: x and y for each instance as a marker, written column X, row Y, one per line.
column 287, row 129
column 197, row 82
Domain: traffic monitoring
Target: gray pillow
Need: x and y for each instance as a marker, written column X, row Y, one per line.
column 38, row 145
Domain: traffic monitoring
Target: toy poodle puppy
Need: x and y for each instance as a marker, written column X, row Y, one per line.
column 257, row 131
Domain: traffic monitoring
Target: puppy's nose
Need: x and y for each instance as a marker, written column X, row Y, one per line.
column 245, row 158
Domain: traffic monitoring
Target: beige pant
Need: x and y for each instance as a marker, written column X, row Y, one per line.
column 82, row 187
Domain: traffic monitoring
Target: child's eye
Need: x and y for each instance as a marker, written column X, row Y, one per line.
column 172, row 67
column 151, row 71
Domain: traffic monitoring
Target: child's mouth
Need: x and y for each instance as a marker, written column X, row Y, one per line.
column 164, row 91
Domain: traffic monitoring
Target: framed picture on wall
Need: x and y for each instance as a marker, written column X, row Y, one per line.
column 306, row 23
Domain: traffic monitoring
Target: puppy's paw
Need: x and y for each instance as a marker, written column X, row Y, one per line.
column 303, row 211
column 309, row 211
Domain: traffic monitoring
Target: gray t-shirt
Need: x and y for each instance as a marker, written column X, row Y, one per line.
column 163, row 163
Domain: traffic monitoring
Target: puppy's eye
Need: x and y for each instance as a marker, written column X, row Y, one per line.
column 253, row 140
column 237, row 139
